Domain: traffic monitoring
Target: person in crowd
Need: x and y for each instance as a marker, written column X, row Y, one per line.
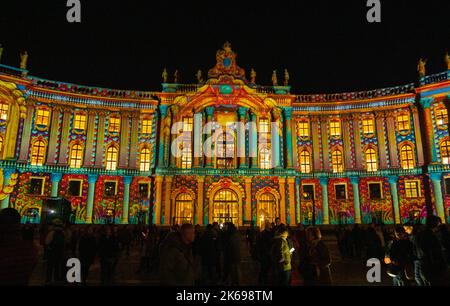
column 250, row 237
column 277, row 225
column 357, row 239
column 56, row 245
column 263, row 245
column 373, row 245
column 108, row 250
column 28, row 232
column 315, row 260
column 87, row 248
column 281, row 255
column 209, row 253
column 232, row 254
column 18, row 255
column 219, row 246
column 149, row 238
column 444, row 238
column 340, row 237
column 400, row 257
column 124, row 236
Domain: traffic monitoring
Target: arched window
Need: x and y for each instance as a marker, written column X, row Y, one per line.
column 144, row 159
column 371, row 159
column 111, row 158
column 264, row 158
column 38, row 153
column 268, row 208
column 445, row 152
column 76, row 156
column 4, row 111
column 225, row 206
column 407, row 156
column 184, row 209
column 337, row 161
column 305, row 162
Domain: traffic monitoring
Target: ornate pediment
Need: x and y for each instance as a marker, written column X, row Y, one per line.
column 226, row 64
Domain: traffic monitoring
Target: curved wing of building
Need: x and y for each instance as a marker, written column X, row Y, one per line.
column 225, row 150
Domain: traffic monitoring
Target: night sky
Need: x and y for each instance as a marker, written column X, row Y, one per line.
column 327, row 46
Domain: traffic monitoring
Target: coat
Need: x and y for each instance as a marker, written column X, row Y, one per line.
column 281, row 254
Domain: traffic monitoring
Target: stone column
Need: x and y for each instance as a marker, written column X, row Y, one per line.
column 248, row 199
column 357, row 207
column 282, row 182
column 381, row 140
column 89, row 146
column 64, row 144
column 209, row 119
column 324, row 185
column 394, row 194
column 437, row 190
column 53, row 138
column 26, row 134
column 56, row 178
column 198, row 136
column 393, row 152
column 6, row 176
column 124, row 134
column 288, row 137
column 167, row 201
column 429, row 129
column 316, row 144
column 133, row 162
column 357, row 140
column 158, row 203
column 242, row 112
column 325, row 147
column 126, row 198
column 253, row 141
column 418, row 136
column 291, row 190
column 348, row 162
column 100, row 145
column 92, row 179
column 161, row 145
column 199, row 209
column 275, row 139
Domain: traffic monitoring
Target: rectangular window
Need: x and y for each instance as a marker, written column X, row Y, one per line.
column 187, row 124
column 308, row 192
column 36, row 186
column 146, row 126
column 447, row 185
column 403, row 122
column 375, row 192
column 4, row 111
column 303, row 129
column 114, row 125
column 335, row 128
column 74, row 188
column 412, row 189
column 340, row 191
column 368, row 126
column 42, row 117
column 441, row 117
column 264, row 126
column 79, row 122
column 110, row 188
column 143, row 189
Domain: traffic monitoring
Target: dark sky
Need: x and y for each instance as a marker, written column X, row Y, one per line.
column 328, row 46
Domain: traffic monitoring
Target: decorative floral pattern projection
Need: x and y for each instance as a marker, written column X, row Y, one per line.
column 306, row 206
column 138, row 205
column 24, row 202
column 340, row 211
column 188, row 182
column 411, row 205
column 370, row 207
column 78, row 203
column 104, row 204
column 258, row 183
column 209, row 180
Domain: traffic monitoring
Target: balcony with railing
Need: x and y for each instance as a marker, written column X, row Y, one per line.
column 435, row 78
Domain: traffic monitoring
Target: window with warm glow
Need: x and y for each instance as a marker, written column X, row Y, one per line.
column 335, row 128
column 184, row 209
column 264, row 158
column 268, row 208
column 441, row 117
column 79, row 122
column 407, row 156
column 1, row 145
column 114, row 125
column 371, row 160
column 42, row 117
column 225, row 150
column 144, row 159
column 305, row 162
column 187, row 124
column 403, row 124
column 445, row 152
column 264, row 125
column 111, row 158
column 337, row 161
column 76, row 156
column 303, row 129
column 186, row 158
column 368, row 126
column 38, row 153
column 4, row 111
column 412, row 189
column 146, row 126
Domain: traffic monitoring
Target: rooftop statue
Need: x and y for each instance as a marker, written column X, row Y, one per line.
column 421, row 67
column 1, row 52
column 447, row 60
column 274, row 78
column 23, row 60
column 286, row 77
column 165, row 75
column 199, row 76
column 253, row 76
column 175, row 77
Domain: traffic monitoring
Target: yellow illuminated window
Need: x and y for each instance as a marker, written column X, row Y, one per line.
column 337, row 161
column 1, row 144
column 38, row 153
column 305, row 162
column 4, row 111
column 111, row 158
column 368, row 126
column 371, row 160
column 441, row 117
column 187, row 124
column 407, row 157
column 264, row 158
column 79, row 122
column 412, row 189
column 403, row 122
column 264, row 126
column 144, row 159
column 303, row 129
column 42, row 117
column 114, row 124
column 445, row 152
column 335, row 128
column 184, row 208
column 146, row 126
column 76, row 156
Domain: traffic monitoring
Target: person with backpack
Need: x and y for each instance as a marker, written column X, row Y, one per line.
column 55, row 245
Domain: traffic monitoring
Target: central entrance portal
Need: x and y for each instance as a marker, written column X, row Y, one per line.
column 225, row 207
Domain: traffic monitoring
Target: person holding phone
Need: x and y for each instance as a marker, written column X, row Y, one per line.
column 282, row 255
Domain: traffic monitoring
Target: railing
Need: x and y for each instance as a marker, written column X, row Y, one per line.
column 12, row 70
column 435, row 78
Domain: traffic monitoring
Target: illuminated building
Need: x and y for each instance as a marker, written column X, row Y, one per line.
column 361, row 155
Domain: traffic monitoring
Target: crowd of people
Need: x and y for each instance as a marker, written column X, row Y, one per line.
column 190, row 255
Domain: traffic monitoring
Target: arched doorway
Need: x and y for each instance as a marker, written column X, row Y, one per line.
column 184, row 209
column 268, row 208
column 225, row 207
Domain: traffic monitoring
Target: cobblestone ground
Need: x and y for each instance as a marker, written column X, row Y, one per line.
column 344, row 272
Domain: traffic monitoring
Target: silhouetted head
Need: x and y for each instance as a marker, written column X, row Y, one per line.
column 187, row 233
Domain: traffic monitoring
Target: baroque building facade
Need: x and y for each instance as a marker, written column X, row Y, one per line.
column 354, row 157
